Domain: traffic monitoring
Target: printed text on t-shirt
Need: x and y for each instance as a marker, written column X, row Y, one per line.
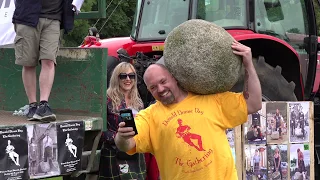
column 181, row 112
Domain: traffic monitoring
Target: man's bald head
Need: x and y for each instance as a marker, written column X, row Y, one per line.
column 155, row 68
column 161, row 84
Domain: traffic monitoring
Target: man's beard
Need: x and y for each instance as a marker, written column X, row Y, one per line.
column 168, row 100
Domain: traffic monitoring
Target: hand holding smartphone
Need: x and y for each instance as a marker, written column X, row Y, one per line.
column 127, row 116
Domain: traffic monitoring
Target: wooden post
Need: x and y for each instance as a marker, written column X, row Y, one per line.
column 311, row 140
column 238, row 149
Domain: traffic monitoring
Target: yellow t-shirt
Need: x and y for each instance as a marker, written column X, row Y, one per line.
column 188, row 139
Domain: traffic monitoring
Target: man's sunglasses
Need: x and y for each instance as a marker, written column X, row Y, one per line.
column 124, row 76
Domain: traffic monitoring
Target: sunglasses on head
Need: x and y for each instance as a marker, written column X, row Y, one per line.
column 124, row 76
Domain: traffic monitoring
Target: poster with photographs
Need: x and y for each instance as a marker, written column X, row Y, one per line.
column 42, row 143
column 230, row 133
column 13, row 153
column 299, row 161
column 70, row 144
column 255, row 162
column 255, row 127
column 299, row 122
column 278, row 168
column 277, row 126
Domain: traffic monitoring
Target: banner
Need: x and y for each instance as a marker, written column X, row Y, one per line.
column 13, row 153
column 70, row 143
column 7, row 7
column 7, row 32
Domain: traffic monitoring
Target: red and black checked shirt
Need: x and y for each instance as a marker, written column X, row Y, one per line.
column 112, row 168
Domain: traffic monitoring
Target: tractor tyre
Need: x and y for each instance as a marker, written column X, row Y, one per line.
column 274, row 86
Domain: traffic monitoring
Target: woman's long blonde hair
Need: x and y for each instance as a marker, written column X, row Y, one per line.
column 115, row 93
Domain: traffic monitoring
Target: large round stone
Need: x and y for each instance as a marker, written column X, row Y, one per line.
column 199, row 54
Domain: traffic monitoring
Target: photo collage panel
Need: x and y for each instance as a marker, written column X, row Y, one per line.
column 276, row 142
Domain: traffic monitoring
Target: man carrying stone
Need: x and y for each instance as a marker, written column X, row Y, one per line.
column 207, row 116
column 37, row 25
column 301, row 121
column 278, row 118
column 293, row 117
column 47, row 149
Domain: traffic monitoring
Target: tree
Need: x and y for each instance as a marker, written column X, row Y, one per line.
column 119, row 19
column 118, row 22
column 80, row 29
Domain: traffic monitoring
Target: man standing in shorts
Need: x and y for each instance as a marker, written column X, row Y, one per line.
column 37, row 25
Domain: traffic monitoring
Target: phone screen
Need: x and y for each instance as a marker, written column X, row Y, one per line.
column 126, row 116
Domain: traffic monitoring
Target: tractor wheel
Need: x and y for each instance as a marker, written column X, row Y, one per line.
column 274, row 86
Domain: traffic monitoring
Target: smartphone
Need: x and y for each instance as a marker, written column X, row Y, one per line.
column 127, row 116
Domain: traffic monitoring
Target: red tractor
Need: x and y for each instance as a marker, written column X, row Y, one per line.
column 281, row 33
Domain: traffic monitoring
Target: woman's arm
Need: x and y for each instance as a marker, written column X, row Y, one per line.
column 112, row 125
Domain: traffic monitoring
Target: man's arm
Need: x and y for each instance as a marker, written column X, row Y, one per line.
column 123, row 143
column 128, row 142
column 252, row 88
column 124, row 138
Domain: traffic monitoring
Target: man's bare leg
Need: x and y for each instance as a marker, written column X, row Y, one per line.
column 29, row 81
column 44, row 112
column 46, row 79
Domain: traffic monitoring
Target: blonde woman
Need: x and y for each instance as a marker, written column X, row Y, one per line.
column 122, row 93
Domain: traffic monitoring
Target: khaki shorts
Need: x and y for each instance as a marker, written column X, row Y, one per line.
column 35, row 44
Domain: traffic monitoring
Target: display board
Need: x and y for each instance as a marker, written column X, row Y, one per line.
column 35, row 151
column 278, row 142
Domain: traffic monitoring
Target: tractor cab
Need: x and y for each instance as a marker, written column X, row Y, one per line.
column 287, row 27
column 286, row 20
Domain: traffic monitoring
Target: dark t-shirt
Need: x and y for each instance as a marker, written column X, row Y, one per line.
column 51, row 9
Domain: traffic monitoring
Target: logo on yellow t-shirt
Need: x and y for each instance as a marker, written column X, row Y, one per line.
column 183, row 132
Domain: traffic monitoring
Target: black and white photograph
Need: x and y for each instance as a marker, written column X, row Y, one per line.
column 277, row 126
column 299, row 122
column 70, row 144
column 42, row 140
column 255, row 162
column 255, row 128
column 278, row 168
column 299, row 161
column 13, row 153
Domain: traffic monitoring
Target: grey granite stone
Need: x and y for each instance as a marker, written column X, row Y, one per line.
column 199, row 54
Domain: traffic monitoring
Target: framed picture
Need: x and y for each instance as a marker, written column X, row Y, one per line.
column 277, row 126
column 278, row 168
column 299, row 122
column 299, row 161
column 255, row 128
column 255, row 162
